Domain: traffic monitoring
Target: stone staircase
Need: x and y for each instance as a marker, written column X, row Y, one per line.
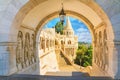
column 62, row 60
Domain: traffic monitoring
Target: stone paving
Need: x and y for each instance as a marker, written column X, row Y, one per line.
column 67, row 68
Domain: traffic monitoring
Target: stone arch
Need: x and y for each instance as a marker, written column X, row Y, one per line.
column 69, row 13
column 113, row 32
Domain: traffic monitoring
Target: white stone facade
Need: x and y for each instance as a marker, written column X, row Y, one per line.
column 50, row 41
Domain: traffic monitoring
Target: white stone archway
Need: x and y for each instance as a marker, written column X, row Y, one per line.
column 29, row 16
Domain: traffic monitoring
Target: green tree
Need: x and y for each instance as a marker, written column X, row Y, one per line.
column 59, row 27
column 84, row 55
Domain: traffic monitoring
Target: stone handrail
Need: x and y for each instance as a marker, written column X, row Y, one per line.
column 77, row 67
column 66, row 57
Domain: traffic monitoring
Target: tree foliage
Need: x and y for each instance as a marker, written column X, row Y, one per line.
column 84, row 55
column 59, row 27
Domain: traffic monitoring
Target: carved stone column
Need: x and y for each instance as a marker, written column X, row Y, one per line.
column 116, row 59
column 94, row 52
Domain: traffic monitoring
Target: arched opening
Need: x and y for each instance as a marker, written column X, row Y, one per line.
column 70, row 48
column 92, row 15
column 79, row 16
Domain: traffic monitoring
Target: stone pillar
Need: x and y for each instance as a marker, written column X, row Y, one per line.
column 4, row 59
column 93, row 53
column 45, row 44
column 116, row 60
column 7, row 59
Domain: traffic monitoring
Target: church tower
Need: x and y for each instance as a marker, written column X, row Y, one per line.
column 68, row 30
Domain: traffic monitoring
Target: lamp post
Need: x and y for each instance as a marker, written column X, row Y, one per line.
column 62, row 15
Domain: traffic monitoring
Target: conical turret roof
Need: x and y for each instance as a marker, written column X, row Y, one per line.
column 68, row 25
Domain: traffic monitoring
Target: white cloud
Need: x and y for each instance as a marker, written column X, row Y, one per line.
column 81, row 30
column 83, row 35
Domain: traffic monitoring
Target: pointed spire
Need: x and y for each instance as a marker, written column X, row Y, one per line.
column 68, row 25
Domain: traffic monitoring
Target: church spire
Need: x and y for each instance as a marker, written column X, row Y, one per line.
column 68, row 30
column 68, row 24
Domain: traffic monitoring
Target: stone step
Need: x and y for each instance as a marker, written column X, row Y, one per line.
column 38, row 77
column 59, row 73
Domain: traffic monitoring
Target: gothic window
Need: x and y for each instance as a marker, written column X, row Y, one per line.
column 43, row 43
column 67, row 33
column 62, row 42
column 46, row 43
column 69, row 42
column 50, row 43
column 56, row 42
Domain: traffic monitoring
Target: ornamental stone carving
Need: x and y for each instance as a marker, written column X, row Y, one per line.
column 27, row 48
column 19, row 51
column 32, row 45
column 106, row 50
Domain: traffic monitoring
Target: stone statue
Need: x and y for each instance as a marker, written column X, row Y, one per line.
column 106, row 50
column 19, row 50
column 32, row 56
column 27, row 49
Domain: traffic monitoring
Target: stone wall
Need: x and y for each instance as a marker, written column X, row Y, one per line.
column 8, row 11
column 48, row 62
column 112, row 9
column 25, row 49
column 22, row 55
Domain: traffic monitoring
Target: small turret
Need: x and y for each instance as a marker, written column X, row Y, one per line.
column 68, row 30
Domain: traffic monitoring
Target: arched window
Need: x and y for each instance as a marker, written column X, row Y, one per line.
column 62, row 42
column 50, row 43
column 67, row 33
column 69, row 41
column 41, row 43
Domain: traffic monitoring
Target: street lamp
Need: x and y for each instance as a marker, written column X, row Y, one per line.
column 62, row 15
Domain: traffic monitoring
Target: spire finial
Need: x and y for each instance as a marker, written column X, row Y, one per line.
column 62, row 13
column 62, row 4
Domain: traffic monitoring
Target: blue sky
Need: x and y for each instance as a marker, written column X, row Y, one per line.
column 79, row 27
